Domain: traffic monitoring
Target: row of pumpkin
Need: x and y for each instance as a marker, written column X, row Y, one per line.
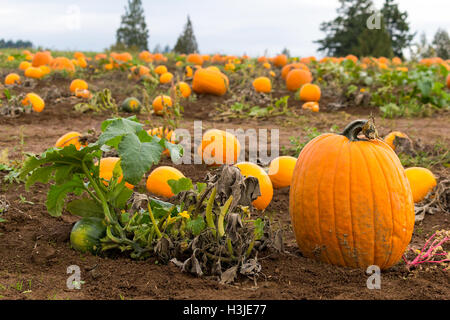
column 220, row 147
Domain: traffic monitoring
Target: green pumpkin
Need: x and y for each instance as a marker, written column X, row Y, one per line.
column 86, row 234
column 131, row 105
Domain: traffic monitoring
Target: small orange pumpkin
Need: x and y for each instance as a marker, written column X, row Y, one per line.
column 166, row 77
column 12, row 78
column 160, row 69
column 157, row 181
column 210, row 81
column 41, row 58
column 160, row 102
column 35, row 101
column 219, row 147
column 310, row 92
column 78, row 84
column 422, row 181
column 262, row 84
column 280, row 60
column 281, row 170
column 34, row 72
column 69, row 139
column 195, row 58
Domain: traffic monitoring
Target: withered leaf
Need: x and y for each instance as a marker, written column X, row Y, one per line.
column 229, row 275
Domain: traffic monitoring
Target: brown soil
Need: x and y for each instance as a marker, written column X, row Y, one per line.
column 35, row 251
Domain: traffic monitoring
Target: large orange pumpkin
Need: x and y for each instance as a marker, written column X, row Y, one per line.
column 350, row 201
column 296, row 78
column 210, row 81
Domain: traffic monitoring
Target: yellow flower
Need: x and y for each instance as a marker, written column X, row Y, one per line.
column 267, row 65
column 184, row 214
column 362, row 90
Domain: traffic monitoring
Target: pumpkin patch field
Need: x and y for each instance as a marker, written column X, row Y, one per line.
column 188, row 176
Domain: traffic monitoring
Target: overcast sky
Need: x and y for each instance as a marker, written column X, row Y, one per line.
column 231, row 26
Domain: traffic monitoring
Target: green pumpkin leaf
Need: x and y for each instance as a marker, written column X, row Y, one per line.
column 58, row 193
column 196, row 226
column 201, row 186
column 259, row 228
column 85, row 208
column 137, row 157
column 180, row 185
column 116, row 129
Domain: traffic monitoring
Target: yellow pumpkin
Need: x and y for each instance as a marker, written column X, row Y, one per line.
column 421, row 180
column 249, row 169
column 35, row 101
column 12, row 78
column 281, row 170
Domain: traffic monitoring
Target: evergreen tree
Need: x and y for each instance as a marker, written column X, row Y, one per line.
column 343, row 32
column 375, row 42
column 133, row 30
column 186, row 42
column 397, row 26
column 441, row 44
column 349, row 32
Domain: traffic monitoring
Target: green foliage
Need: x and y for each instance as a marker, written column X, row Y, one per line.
column 133, row 30
column 186, row 43
column 69, row 168
column 177, row 186
column 101, row 101
column 397, row 27
column 439, row 155
column 348, row 32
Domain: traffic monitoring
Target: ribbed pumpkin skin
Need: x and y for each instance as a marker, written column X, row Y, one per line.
column 350, row 203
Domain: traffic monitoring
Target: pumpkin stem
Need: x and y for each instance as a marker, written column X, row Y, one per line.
column 367, row 127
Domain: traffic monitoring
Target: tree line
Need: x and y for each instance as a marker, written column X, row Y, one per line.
column 15, row 44
column 359, row 28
